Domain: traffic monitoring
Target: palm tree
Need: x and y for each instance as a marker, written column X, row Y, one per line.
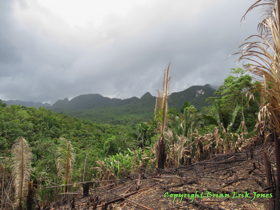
column 139, row 132
column 264, row 56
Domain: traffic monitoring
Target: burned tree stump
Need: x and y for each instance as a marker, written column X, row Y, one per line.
column 269, row 179
column 85, row 189
column 29, row 196
column 94, row 202
column 72, row 203
column 277, row 158
column 161, row 155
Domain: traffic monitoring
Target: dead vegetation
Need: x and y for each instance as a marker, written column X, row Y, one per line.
column 223, row 174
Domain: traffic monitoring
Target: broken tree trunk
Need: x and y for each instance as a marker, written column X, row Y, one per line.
column 85, row 189
column 161, row 155
column 269, row 179
column 29, row 202
column 277, row 157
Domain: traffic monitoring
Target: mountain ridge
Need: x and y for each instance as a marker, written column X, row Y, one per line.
column 142, row 109
column 100, row 109
column 89, row 101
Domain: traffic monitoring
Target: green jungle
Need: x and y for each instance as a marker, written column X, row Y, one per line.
column 73, row 146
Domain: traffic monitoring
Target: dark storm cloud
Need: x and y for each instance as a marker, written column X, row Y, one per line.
column 35, row 67
column 32, row 66
column 197, row 48
column 8, row 52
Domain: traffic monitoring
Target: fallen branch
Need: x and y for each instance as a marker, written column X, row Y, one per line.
column 86, row 182
column 232, row 182
column 201, row 205
column 135, row 203
column 126, row 190
column 121, row 197
column 70, row 193
column 217, row 200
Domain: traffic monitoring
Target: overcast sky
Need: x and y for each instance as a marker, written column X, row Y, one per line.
column 53, row 49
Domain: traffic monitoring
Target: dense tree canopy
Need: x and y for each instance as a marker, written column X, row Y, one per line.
column 232, row 103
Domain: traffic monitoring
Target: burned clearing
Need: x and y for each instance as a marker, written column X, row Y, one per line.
column 226, row 181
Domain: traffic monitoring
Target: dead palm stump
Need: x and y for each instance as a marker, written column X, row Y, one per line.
column 161, row 155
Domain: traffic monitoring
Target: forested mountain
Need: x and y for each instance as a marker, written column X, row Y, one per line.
column 89, row 101
column 99, row 109
column 195, row 94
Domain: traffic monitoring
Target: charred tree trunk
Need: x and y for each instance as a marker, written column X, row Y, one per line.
column 277, row 157
column 268, row 179
column 72, row 203
column 85, row 189
column 66, row 188
column 29, row 202
column 161, row 155
column 20, row 206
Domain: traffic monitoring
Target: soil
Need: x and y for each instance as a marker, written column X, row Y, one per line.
column 226, row 181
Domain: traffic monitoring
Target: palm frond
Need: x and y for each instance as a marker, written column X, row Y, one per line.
column 161, row 106
column 21, row 157
column 65, row 160
column 265, row 62
column 165, row 95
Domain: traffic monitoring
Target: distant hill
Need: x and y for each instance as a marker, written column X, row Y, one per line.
column 100, row 109
column 27, row 103
column 89, row 101
column 195, row 94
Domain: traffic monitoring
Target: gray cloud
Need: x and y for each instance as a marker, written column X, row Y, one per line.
column 35, row 66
